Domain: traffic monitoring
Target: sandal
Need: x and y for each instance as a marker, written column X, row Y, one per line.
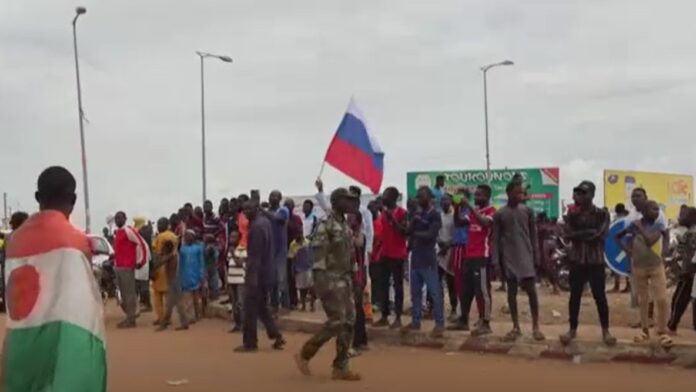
column 567, row 338
column 609, row 340
column 538, row 336
column 665, row 341
column 642, row 337
column 512, row 335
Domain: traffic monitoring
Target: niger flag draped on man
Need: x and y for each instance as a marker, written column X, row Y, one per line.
column 355, row 151
column 55, row 325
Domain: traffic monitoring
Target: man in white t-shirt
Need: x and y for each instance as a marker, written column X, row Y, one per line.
column 638, row 198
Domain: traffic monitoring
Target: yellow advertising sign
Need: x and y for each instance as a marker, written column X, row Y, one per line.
column 669, row 190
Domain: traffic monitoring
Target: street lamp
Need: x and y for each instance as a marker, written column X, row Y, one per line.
column 80, row 11
column 485, row 69
column 203, row 56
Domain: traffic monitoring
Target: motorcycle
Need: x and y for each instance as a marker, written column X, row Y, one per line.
column 559, row 259
column 105, row 276
column 103, row 268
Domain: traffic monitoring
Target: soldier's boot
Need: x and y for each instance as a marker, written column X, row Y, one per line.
column 302, row 364
column 345, row 375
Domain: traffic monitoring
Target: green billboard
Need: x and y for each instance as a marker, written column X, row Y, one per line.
column 542, row 183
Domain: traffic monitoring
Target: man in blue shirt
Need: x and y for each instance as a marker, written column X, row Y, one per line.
column 423, row 230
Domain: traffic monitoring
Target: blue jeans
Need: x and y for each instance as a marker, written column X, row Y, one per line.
column 429, row 277
column 281, row 293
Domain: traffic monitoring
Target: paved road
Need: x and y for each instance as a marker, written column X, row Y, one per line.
column 142, row 360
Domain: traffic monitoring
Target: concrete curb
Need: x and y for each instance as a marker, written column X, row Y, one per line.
column 525, row 347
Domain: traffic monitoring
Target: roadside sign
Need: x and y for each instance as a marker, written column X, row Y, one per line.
column 617, row 260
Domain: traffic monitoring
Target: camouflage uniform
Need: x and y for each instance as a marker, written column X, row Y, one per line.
column 332, row 245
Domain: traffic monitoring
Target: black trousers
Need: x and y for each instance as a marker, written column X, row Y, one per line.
column 476, row 285
column 256, row 308
column 360, row 331
column 391, row 270
column 292, row 288
column 451, row 290
column 579, row 276
column 680, row 301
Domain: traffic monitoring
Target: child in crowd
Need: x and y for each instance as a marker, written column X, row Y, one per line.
column 301, row 257
column 359, row 281
column 236, row 260
column 460, row 237
column 192, row 274
column 648, row 269
column 212, row 254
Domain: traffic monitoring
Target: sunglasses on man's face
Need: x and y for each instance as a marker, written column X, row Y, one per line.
column 581, row 192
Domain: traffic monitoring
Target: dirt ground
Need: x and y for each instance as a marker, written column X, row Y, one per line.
column 621, row 313
column 142, row 360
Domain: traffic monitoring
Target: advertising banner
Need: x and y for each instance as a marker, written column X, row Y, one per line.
column 542, row 182
column 669, row 190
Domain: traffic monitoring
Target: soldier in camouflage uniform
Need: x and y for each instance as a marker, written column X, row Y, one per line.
column 682, row 266
column 332, row 246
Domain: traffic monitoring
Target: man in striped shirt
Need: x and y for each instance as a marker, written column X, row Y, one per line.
column 475, row 267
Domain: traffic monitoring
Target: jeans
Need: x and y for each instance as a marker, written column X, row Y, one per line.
column 429, row 278
column 451, row 292
column 280, row 296
column 579, row 275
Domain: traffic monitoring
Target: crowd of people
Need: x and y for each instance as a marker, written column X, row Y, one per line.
column 271, row 259
column 266, row 259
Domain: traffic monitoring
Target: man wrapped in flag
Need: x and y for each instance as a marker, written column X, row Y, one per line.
column 55, row 325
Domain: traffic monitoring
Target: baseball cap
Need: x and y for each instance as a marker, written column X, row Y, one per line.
column 341, row 193
column 585, row 186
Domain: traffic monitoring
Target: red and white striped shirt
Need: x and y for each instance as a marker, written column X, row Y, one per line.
column 479, row 245
column 131, row 250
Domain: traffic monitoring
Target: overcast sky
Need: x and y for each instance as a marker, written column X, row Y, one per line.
column 597, row 84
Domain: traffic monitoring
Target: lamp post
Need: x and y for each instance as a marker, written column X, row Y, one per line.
column 485, row 69
column 80, row 11
column 203, row 56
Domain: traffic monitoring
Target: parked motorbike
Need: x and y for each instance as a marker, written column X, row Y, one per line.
column 559, row 258
column 105, row 275
column 103, row 268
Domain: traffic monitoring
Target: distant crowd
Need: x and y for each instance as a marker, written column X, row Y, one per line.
column 261, row 257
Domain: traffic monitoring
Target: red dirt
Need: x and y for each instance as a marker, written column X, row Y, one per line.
column 142, row 360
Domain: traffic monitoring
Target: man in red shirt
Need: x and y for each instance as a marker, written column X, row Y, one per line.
column 394, row 253
column 477, row 282
column 131, row 253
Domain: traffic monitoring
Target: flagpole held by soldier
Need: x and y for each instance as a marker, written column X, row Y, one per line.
column 332, row 245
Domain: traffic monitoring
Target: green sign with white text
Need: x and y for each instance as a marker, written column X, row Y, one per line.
column 542, row 185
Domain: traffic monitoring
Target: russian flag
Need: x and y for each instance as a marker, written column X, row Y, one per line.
column 355, row 152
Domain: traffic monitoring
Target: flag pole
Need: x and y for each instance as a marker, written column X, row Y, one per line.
column 321, row 169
